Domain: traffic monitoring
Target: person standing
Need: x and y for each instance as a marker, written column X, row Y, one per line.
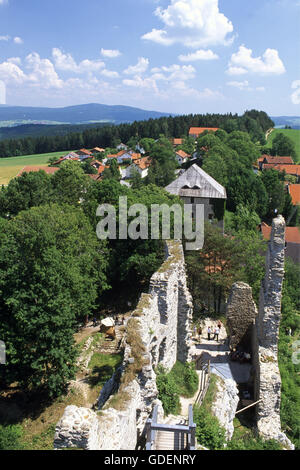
column 209, row 332
column 216, row 333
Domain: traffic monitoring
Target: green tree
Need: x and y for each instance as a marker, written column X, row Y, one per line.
column 28, row 190
column 52, row 269
column 69, row 183
column 273, row 183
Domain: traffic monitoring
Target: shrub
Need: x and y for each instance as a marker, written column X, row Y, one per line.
column 10, row 437
column 209, row 433
column 186, row 378
column 168, row 392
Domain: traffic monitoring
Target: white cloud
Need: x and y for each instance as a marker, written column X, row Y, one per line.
column 4, row 38
column 159, row 36
column 18, row 40
column 243, row 62
column 193, row 23
column 240, row 85
column 3, row 2
column 43, row 73
column 109, row 73
column 139, row 68
column 66, row 63
column 174, row 73
column 110, row 53
column 244, row 86
column 295, row 96
column 11, row 73
column 2, row 92
column 138, row 82
column 15, row 60
column 201, row 54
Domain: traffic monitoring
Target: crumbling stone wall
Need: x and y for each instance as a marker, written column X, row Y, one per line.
column 265, row 340
column 241, row 313
column 163, row 318
column 225, row 404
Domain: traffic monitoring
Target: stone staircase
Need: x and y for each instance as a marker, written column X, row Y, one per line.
column 114, row 346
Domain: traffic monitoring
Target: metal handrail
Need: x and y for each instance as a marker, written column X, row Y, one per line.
column 152, row 427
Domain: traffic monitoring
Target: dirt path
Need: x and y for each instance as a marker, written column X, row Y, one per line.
column 268, row 133
column 218, row 354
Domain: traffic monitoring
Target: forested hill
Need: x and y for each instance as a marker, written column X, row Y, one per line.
column 80, row 114
column 44, row 130
column 256, row 123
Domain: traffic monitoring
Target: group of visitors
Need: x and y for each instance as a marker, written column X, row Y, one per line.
column 214, row 331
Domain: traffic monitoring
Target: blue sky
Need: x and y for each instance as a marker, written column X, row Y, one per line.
column 179, row 56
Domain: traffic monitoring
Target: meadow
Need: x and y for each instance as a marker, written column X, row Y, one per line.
column 10, row 167
column 293, row 134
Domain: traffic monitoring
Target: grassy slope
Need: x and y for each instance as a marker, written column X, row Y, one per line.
column 10, row 167
column 293, row 134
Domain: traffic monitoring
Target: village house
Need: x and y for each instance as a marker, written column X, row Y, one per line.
column 140, row 149
column 181, row 156
column 122, row 146
column 195, row 186
column 293, row 170
column 97, row 150
column 273, row 160
column 294, row 191
column 123, row 156
column 141, row 165
column 292, row 240
column 196, row 131
column 176, row 142
column 69, row 156
column 83, row 153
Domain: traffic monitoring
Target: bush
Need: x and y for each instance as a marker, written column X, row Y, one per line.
column 186, row 378
column 10, row 437
column 168, row 392
column 252, row 443
column 209, row 433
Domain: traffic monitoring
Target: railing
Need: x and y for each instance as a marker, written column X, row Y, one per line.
column 152, row 427
column 204, row 366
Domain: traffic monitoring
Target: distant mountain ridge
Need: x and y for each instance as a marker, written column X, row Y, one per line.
column 282, row 121
column 79, row 114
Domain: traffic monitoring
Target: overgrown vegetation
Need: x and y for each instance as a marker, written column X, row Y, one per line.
column 182, row 380
column 288, row 349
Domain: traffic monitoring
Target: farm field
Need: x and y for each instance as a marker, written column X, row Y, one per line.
column 10, row 167
column 293, row 134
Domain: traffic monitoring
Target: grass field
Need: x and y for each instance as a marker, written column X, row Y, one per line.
column 293, row 134
column 10, row 167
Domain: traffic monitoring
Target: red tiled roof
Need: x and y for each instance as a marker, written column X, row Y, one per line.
column 97, row 149
column 182, row 154
column 292, row 234
column 294, row 190
column 143, row 163
column 27, row 169
column 177, row 141
column 279, row 160
column 199, row 130
column 83, row 152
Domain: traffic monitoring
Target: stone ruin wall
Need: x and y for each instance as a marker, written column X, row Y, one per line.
column 258, row 331
column 164, row 317
column 265, row 340
column 241, row 313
